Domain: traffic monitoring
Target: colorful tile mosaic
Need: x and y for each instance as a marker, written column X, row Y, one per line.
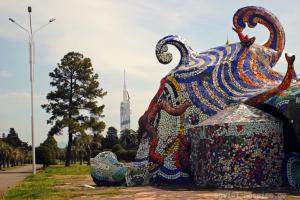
column 240, row 147
column 107, row 170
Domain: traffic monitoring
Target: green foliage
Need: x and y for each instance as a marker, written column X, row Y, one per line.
column 129, row 139
column 123, row 154
column 47, row 152
column 82, row 147
column 51, row 143
column 5, row 153
column 76, row 90
column 111, row 138
column 117, row 147
column 126, row 155
column 45, row 156
column 13, row 151
column 14, row 140
column 96, row 145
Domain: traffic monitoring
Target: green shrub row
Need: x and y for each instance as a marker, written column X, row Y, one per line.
column 123, row 154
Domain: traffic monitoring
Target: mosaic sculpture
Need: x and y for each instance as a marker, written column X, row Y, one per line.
column 206, row 84
column 107, row 170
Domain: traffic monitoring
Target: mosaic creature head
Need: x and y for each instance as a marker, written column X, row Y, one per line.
column 107, row 170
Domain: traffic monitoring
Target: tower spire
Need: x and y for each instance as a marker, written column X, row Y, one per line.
column 124, row 85
column 124, row 88
column 125, row 107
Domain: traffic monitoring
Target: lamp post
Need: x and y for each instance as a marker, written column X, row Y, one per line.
column 32, row 66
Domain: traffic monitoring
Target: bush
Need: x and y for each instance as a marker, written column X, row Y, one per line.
column 45, row 156
column 117, row 147
column 126, row 155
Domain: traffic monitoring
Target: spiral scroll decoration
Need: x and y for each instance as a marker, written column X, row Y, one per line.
column 166, row 57
column 251, row 15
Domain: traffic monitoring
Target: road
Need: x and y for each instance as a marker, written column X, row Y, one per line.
column 11, row 177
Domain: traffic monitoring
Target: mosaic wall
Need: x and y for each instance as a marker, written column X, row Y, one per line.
column 239, row 147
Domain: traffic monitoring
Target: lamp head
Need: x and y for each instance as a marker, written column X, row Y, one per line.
column 52, row 20
column 29, row 9
column 12, row 20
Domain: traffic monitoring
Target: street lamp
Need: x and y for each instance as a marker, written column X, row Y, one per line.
column 32, row 65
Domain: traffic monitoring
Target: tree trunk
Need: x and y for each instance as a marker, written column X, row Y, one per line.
column 89, row 155
column 80, row 158
column 68, row 152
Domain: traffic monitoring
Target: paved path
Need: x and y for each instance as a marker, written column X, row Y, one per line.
column 11, row 177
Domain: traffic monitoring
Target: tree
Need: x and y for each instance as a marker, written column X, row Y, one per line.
column 47, row 152
column 111, row 138
column 13, row 138
column 51, row 143
column 6, row 152
column 128, row 139
column 82, row 147
column 96, row 145
column 44, row 156
column 76, row 89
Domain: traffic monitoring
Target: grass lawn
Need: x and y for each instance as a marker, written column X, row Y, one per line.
column 57, row 182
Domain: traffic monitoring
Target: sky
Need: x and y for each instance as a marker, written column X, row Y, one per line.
column 117, row 35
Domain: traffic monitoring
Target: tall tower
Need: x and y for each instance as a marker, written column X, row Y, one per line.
column 125, row 108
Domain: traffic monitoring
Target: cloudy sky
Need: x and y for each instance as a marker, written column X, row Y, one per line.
column 116, row 35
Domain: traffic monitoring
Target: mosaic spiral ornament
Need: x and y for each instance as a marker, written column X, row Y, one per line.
column 252, row 15
column 166, row 57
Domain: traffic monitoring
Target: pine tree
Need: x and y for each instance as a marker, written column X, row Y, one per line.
column 13, row 138
column 73, row 103
column 111, row 138
column 128, row 139
column 51, row 143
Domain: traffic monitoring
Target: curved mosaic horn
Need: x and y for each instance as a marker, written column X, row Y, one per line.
column 166, row 57
column 285, row 84
column 251, row 15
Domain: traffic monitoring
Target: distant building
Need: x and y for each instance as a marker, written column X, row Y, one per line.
column 125, row 108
